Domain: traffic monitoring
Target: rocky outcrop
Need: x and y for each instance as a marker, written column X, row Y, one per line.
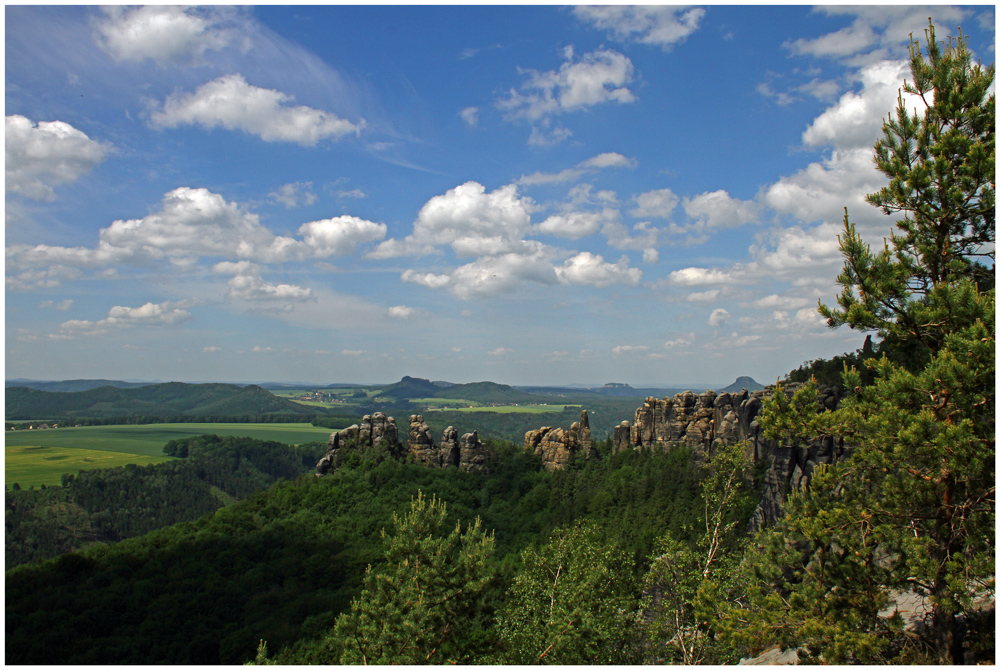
column 556, row 445
column 467, row 453
column 420, row 442
column 474, row 456
column 704, row 422
column 451, row 448
column 376, row 431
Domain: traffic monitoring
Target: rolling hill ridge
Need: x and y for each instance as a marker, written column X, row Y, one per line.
column 170, row 399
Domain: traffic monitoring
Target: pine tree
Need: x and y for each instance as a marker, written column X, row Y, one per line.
column 941, row 167
column 913, row 509
column 415, row 608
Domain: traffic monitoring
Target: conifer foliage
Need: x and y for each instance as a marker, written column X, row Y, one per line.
column 415, row 608
column 913, row 509
column 941, row 167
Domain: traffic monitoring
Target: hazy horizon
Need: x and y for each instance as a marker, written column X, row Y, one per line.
column 304, row 383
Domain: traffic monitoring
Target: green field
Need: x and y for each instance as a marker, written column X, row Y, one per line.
column 34, row 466
column 508, row 409
column 29, row 450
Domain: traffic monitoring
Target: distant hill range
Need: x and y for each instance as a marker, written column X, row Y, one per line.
column 73, row 385
column 612, row 390
column 162, row 400
column 741, row 383
column 483, row 392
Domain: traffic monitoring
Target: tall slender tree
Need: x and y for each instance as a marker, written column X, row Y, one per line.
column 415, row 608
column 913, row 509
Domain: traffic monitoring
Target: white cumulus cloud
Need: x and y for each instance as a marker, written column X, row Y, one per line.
column 609, row 159
column 878, row 32
column 470, row 115
column 470, row 220
column 718, row 317
column 150, row 314
column 498, row 275
column 627, row 349
column 232, row 103
column 600, row 76
column 428, row 279
column 163, row 33
column 655, row 204
column 589, row 269
column 247, row 285
column 403, row 312
column 576, row 225
column 50, row 153
column 195, row 223
column 295, row 194
column 718, row 209
column 340, row 235
column 856, row 119
column 662, row 26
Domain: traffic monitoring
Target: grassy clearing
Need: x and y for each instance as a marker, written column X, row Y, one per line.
column 37, row 465
column 148, row 439
column 131, row 443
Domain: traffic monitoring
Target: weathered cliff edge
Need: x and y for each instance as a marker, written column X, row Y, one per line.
column 378, row 431
column 706, row 421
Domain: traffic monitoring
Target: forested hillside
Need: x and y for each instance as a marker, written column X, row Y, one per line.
column 73, row 385
column 155, row 400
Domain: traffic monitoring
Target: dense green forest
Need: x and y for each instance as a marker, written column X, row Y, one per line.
column 283, row 564
column 107, row 505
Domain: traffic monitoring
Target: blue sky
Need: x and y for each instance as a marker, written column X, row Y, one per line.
column 522, row 194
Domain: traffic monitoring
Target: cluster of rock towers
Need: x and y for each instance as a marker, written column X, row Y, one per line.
column 701, row 422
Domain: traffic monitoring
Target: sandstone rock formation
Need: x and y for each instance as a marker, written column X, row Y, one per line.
column 556, row 445
column 451, row 448
column 703, row 422
column 474, row 456
column 378, row 430
column 420, row 442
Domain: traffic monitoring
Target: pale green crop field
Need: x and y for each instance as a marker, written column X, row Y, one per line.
column 34, row 466
column 510, row 409
column 131, row 444
column 450, row 402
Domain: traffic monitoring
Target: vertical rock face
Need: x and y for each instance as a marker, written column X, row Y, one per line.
column 451, row 449
column 420, row 442
column 378, row 429
column 705, row 422
column 473, row 454
column 556, row 445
